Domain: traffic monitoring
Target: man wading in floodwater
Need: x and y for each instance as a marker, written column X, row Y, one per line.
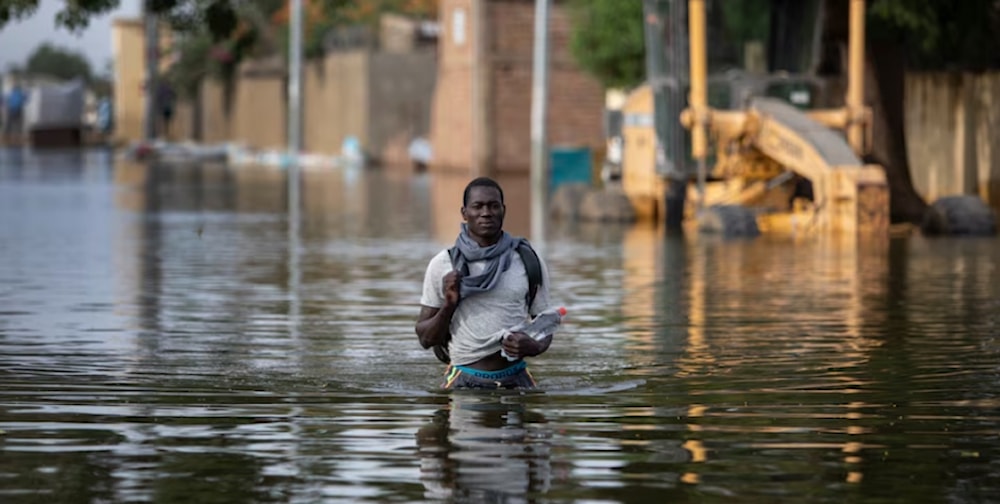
column 473, row 292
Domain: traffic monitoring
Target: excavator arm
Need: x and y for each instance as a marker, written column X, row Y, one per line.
column 848, row 195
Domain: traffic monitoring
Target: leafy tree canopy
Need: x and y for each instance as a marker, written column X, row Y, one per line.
column 219, row 16
column 58, row 62
column 941, row 34
column 607, row 40
column 607, row 35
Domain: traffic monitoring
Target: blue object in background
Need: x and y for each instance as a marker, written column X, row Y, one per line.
column 569, row 165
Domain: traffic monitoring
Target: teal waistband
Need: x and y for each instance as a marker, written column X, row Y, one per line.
column 494, row 375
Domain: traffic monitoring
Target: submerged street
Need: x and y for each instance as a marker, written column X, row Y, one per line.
column 166, row 334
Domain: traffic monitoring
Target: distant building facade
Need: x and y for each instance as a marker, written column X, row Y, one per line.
column 482, row 103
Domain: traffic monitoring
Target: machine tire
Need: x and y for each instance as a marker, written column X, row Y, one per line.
column 730, row 221
column 959, row 216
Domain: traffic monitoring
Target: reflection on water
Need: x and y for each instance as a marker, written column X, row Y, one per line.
column 161, row 340
column 485, row 448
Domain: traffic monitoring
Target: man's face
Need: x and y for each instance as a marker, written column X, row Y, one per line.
column 483, row 214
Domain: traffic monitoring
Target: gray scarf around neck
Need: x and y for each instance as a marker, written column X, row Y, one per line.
column 496, row 255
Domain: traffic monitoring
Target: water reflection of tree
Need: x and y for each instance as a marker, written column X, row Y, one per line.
column 485, row 448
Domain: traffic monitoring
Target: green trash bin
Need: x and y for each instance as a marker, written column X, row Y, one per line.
column 570, row 165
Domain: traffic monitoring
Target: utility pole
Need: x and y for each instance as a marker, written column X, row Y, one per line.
column 295, row 81
column 294, row 146
column 152, row 49
column 539, row 102
column 294, row 86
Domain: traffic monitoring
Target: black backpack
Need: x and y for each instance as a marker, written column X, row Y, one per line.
column 532, row 266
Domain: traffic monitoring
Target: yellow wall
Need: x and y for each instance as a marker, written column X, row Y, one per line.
column 128, row 52
column 214, row 118
column 130, row 64
column 258, row 117
column 335, row 91
column 340, row 96
column 952, row 130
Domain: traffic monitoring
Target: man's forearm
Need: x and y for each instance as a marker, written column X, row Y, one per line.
column 434, row 330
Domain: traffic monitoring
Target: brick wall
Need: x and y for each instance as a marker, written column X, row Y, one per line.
column 575, row 101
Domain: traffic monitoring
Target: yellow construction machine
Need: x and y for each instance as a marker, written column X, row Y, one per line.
column 768, row 164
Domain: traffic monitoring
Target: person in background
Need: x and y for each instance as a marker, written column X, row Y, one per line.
column 104, row 115
column 14, row 107
column 165, row 98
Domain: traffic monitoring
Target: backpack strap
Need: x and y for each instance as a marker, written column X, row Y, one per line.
column 453, row 255
column 533, row 267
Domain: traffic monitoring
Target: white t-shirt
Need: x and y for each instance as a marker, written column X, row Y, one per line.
column 480, row 319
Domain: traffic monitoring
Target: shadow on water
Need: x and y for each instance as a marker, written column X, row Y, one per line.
column 164, row 337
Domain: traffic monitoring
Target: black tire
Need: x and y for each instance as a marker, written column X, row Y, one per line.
column 959, row 216
column 730, row 221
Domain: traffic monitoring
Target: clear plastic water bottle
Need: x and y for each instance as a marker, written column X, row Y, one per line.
column 544, row 324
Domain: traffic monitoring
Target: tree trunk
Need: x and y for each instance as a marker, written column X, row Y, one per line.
column 885, row 75
column 884, row 92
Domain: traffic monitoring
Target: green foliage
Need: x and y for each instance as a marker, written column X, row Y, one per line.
column 941, row 34
column 58, row 62
column 746, row 20
column 16, row 9
column 607, row 40
column 203, row 51
column 217, row 16
column 193, row 64
column 74, row 15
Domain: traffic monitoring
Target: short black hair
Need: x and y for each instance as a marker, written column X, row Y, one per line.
column 481, row 182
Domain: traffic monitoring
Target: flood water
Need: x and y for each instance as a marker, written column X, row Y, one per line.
column 167, row 336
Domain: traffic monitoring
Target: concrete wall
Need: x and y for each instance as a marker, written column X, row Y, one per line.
column 381, row 99
column 130, row 63
column 400, row 105
column 335, row 100
column 128, row 51
column 182, row 127
column 258, row 117
column 252, row 113
column 214, row 115
column 952, row 130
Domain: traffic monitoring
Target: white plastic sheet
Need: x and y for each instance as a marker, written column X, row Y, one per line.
column 55, row 106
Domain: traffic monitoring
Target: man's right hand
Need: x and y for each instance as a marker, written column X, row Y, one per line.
column 451, row 292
